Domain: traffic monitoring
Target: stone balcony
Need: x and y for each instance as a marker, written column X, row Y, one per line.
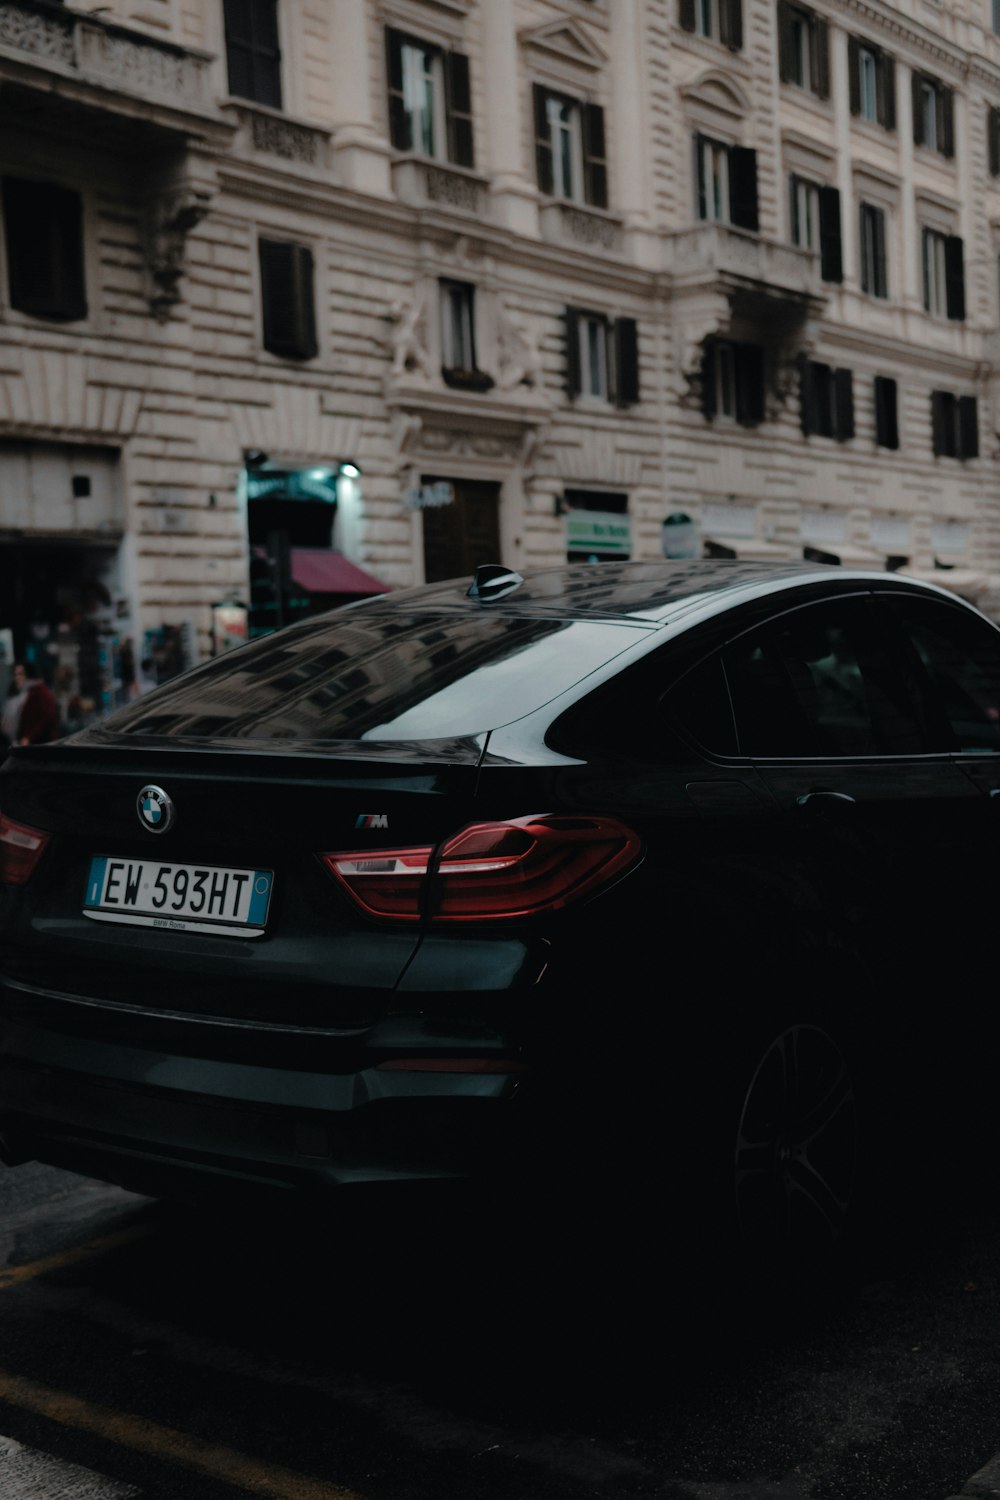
column 580, row 227
column 714, row 256
column 425, row 183
column 293, row 144
column 76, row 66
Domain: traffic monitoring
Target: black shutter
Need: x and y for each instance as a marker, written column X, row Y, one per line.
column 916, row 93
column 968, row 427
column 954, row 271
column 572, row 324
column 881, row 271
column 743, row 187
column 731, row 24
column 993, row 139
column 940, row 422
column 786, row 43
column 886, row 91
column 854, row 74
column 886, row 424
column 946, row 121
column 708, row 405
column 458, row 107
column 843, row 395
column 819, row 46
column 253, row 57
column 400, row 124
column 543, row 141
column 595, row 166
column 831, row 264
column 748, row 362
column 685, row 14
column 807, row 397
column 699, row 176
column 286, row 284
column 626, row 345
column 44, row 236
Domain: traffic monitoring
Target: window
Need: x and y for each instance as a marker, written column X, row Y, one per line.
column 944, row 275
column 719, row 20
column 598, row 528
column 732, row 382
column 569, row 148
column 993, row 139
column 803, row 49
column 995, row 16
column 816, row 224
column 602, row 357
column 726, row 178
column 43, row 232
column 886, row 423
column 824, row 681
column 827, row 401
column 961, row 656
column 933, row 115
column 252, row 53
column 286, row 285
column 874, row 273
column 872, row 75
column 458, row 337
column 954, row 425
column 430, row 100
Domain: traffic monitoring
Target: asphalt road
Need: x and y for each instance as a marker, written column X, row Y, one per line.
column 155, row 1352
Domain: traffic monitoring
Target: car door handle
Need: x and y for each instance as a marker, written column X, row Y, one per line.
column 822, row 795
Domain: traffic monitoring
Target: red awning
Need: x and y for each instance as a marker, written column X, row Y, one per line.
column 321, row 571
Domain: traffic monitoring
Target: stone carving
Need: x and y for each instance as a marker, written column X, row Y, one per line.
column 144, row 68
column 519, row 356
column 47, row 36
column 409, row 347
column 453, row 189
column 170, row 222
column 590, row 229
column 284, row 138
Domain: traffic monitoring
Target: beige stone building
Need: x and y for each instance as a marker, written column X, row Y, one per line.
column 295, row 288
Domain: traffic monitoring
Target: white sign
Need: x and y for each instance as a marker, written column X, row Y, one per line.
column 427, row 496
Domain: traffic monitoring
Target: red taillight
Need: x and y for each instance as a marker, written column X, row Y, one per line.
column 21, row 848
column 490, row 871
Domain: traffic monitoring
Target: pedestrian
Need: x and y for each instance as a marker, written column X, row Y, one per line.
column 31, row 715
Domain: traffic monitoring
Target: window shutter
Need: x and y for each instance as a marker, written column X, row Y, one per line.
column 626, row 344
column 572, row 323
column 854, row 73
column 831, row 263
column 993, row 139
column 685, row 14
column 699, row 176
column 44, row 237
column 595, row 166
column 886, row 428
column 819, row 46
column 939, row 418
column 843, row 396
column 881, row 288
column 786, row 45
column 886, row 96
column 954, row 270
column 731, row 24
column 708, row 406
column 916, row 92
column 543, row 141
column 458, row 107
column 748, row 361
column 253, row 57
column 946, row 120
column 400, row 125
column 968, row 427
column 743, row 187
column 286, row 283
column 807, row 398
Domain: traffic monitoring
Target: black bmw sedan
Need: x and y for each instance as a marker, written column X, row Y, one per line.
column 674, row 875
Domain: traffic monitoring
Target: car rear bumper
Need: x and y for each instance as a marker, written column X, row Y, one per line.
column 161, row 1122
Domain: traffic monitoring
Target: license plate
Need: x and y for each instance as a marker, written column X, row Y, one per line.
column 178, row 898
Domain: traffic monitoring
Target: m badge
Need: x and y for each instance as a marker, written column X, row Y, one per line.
column 372, row 820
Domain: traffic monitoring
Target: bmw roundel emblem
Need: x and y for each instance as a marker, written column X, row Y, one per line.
column 155, row 809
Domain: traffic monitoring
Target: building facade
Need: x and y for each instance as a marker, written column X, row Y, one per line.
column 295, row 288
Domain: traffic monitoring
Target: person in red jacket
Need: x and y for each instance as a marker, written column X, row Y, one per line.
column 31, row 714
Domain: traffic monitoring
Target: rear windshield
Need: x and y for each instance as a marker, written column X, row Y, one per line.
column 371, row 674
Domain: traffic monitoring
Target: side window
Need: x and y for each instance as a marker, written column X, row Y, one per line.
column 825, row 681
column 698, row 707
column 962, row 657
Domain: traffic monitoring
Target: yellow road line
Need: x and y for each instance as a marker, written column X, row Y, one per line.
column 12, row 1275
column 165, row 1443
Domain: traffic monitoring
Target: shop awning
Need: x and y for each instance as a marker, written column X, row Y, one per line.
column 321, row 571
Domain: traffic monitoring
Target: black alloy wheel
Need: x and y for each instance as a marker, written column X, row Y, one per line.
column 797, row 1151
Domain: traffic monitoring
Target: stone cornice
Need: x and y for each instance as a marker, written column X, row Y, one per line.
column 885, row 22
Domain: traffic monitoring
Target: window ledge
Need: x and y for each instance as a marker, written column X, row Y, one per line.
column 426, row 182
column 467, row 380
column 566, row 222
column 264, row 131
